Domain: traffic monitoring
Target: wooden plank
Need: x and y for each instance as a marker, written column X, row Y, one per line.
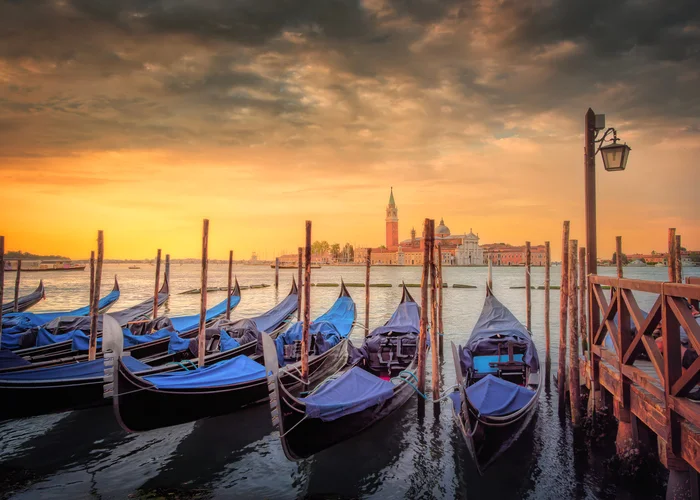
column 688, row 380
column 655, row 356
column 641, row 378
column 682, row 290
column 610, row 379
column 603, row 280
column 690, row 438
column 685, row 408
column 640, row 285
column 650, row 410
column 686, row 320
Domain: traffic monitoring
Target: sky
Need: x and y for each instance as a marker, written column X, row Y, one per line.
column 142, row 117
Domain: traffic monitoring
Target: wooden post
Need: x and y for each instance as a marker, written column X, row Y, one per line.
column 167, row 268
column 202, row 338
column 679, row 261
column 618, row 255
column 15, row 306
column 489, row 280
column 582, row 299
column 277, row 272
column 434, row 334
column 92, row 280
column 92, row 348
column 423, row 332
column 439, row 282
column 2, row 278
column 574, row 375
column 300, row 287
column 528, row 292
column 563, row 304
column 307, row 309
column 369, row 264
column 672, row 254
column 547, row 266
column 155, row 292
column 230, row 284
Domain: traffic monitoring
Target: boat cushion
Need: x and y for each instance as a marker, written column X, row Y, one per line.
column 495, row 397
column 83, row 369
column 481, row 363
column 354, row 391
column 229, row 372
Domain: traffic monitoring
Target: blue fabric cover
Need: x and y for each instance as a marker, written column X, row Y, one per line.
column 81, row 370
column 406, row 319
column 273, row 318
column 497, row 325
column 19, row 322
column 495, row 397
column 187, row 324
column 45, row 337
column 227, row 342
column 481, row 363
column 232, row 371
column 81, row 340
column 354, row 391
column 329, row 328
column 9, row 359
column 177, row 343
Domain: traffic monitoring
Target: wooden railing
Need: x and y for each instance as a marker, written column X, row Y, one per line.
column 613, row 312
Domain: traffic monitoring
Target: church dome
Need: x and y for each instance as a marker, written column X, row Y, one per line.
column 442, row 229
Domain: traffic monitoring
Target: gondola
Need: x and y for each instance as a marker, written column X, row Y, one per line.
column 24, row 303
column 370, row 387
column 142, row 338
column 143, row 401
column 37, row 391
column 16, row 325
column 55, row 339
column 499, row 383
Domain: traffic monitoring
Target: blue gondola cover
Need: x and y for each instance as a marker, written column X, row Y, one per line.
column 82, row 370
column 352, row 392
column 232, row 371
column 227, row 342
column 493, row 396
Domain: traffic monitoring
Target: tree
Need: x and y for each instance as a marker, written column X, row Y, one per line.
column 319, row 247
column 623, row 258
column 335, row 250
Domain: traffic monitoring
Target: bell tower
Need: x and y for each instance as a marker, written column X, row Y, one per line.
column 392, row 223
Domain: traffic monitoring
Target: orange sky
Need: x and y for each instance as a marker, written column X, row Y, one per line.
column 144, row 132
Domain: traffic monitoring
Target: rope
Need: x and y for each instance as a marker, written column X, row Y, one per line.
column 424, row 396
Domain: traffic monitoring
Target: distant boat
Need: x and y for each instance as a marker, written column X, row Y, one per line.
column 36, row 266
column 637, row 263
column 660, row 264
column 134, row 267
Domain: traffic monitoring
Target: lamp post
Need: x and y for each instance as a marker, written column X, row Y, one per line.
column 614, row 159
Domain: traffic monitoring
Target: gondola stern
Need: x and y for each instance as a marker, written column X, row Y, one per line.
column 115, row 288
column 294, row 290
column 343, row 289
column 405, row 294
column 236, row 292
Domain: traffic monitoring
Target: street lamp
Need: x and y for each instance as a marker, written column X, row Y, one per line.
column 614, row 155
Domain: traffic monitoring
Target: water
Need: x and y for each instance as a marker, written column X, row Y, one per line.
column 85, row 454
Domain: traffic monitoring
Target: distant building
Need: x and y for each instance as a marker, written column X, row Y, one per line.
column 461, row 250
column 503, row 254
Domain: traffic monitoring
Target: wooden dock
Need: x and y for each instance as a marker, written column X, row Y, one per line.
column 647, row 395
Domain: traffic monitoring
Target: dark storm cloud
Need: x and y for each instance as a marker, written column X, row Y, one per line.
column 376, row 75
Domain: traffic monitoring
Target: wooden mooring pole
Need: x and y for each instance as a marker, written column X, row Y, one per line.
column 230, row 284
column 441, row 332
column 277, row 272
column 368, row 266
column 679, row 261
column 489, row 279
column 563, row 304
column 202, row 337
column 2, row 278
column 300, row 286
column 423, row 332
column 307, row 309
column 15, row 306
column 434, row 339
column 547, row 270
column 574, row 374
column 92, row 348
column 157, row 287
column 528, row 292
column 618, row 255
column 582, row 299
column 92, row 280
column 672, row 254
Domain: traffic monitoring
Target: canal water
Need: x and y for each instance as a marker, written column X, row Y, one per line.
column 85, row 454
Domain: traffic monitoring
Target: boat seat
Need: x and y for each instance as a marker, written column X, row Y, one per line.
column 483, row 365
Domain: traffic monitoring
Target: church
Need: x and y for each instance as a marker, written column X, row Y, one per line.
column 457, row 250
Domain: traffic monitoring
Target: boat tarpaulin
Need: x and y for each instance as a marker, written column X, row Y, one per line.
column 227, row 342
column 406, row 319
column 329, row 328
column 81, row 370
column 493, row 397
column 497, row 326
column 186, row 324
column 9, row 359
column 354, row 391
column 233, row 371
column 272, row 319
column 81, row 340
